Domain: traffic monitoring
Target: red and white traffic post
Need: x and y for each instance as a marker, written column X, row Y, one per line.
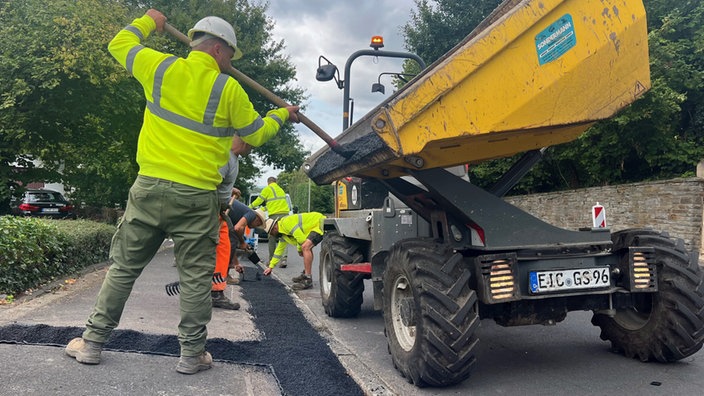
column 598, row 216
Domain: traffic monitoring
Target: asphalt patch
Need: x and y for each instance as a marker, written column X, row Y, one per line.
column 297, row 355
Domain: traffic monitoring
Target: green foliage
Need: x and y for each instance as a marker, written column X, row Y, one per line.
column 34, row 251
column 301, row 188
column 65, row 101
column 438, row 25
column 86, row 242
column 29, row 250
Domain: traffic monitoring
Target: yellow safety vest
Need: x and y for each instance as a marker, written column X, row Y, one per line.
column 273, row 198
column 192, row 111
column 294, row 230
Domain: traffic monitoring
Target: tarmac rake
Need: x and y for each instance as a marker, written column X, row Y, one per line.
column 174, row 288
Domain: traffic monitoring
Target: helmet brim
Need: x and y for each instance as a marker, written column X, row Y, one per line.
column 237, row 55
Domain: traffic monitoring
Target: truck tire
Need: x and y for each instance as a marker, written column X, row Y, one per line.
column 430, row 313
column 341, row 292
column 667, row 325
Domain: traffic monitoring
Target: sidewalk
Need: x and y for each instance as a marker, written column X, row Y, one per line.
column 265, row 348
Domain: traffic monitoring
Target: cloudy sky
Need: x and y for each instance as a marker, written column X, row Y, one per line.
column 336, row 29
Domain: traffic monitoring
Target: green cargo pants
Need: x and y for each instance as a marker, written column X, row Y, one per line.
column 157, row 208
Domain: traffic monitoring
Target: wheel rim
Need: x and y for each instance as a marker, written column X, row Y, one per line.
column 326, row 275
column 406, row 335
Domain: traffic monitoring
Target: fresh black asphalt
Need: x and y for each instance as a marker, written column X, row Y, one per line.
column 291, row 348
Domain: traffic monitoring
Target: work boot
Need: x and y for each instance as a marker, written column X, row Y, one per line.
column 305, row 283
column 232, row 281
column 299, row 278
column 220, row 301
column 194, row 364
column 86, row 352
column 282, row 263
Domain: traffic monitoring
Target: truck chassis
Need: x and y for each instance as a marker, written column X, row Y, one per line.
column 477, row 257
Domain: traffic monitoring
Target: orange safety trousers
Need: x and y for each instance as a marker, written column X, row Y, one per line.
column 222, row 256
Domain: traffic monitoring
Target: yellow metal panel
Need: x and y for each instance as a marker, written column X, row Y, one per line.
column 537, row 73
column 492, row 98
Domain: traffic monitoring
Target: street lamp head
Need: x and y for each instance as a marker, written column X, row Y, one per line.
column 378, row 87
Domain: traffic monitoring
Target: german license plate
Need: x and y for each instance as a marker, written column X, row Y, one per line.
column 50, row 210
column 572, row 279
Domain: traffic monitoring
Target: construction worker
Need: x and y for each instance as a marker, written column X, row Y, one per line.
column 273, row 198
column 192, row 112
column 241, row 216
column 303, row 230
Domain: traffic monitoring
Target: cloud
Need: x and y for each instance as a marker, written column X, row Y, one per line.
column 336, row 29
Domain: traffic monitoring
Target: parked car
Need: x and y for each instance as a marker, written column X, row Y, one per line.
column 44, row 203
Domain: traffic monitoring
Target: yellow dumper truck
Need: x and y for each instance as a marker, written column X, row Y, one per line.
column 443, row 254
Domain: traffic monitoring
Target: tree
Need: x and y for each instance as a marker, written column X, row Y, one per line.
column 300, row 188
column 438, row 25
column 66, row 102
column 60, row 88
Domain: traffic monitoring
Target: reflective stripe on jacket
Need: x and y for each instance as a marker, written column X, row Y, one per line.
column 294, row 229
column 273, row 198
column 192, row 111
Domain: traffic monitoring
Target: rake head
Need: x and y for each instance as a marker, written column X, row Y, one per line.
column 254, row 257
column 174, row 288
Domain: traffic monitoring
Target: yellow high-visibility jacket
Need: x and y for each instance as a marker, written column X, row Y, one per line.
column 294, row 229
column 273, row 198
column 192, row 111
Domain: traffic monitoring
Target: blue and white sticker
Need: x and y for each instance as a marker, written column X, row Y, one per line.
column 555, row 40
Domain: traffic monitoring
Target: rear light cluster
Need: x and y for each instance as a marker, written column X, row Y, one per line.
column 497, row 281
column 25, row 207
column 29, row 208
column 642, row 269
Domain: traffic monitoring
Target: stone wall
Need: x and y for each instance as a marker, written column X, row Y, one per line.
column 675, row 206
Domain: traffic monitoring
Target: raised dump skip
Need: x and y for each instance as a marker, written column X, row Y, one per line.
column 534, row 74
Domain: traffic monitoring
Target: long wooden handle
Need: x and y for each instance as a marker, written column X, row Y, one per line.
column 270, row 96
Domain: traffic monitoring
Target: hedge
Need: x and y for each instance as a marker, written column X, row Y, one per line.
column 35, row 251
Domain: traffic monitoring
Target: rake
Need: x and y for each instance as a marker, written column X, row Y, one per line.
column 174, row 288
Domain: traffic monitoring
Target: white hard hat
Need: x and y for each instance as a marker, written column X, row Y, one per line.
column 217, row 27
column 261, row 215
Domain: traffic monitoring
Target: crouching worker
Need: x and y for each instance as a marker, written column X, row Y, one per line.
column 241, row 217
column 303, row 230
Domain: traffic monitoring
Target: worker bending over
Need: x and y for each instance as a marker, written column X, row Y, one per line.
column 303, row 230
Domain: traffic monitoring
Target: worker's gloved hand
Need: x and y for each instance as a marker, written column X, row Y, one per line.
column 267, row 271
column 239, row 268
